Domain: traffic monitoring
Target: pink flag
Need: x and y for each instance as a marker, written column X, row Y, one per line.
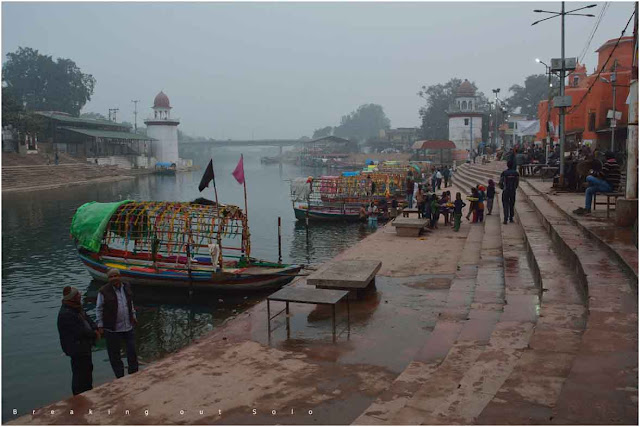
column 238, row 172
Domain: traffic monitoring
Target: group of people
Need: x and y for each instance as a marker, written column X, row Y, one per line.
column 115, row 320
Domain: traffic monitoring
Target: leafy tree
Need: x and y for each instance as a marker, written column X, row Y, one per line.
column 536, row 89
column 440, row 98
column 91, row 115
column 322, row 132
column 40, row 83
column 365, row 122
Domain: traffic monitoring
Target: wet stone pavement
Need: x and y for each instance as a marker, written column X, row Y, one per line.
column 236, row 375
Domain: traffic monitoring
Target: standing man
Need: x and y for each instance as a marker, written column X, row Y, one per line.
column 509, row 180
column 117, row 317
column 78, row 333
column 446, row 174
column 409, row 189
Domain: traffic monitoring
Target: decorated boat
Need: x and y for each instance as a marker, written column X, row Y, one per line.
column 344, row 197
column 193, row 245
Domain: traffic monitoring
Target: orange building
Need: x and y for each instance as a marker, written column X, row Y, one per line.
column 588, row 122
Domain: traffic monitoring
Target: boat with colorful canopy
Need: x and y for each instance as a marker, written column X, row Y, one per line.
column 341, row 198
column 191, row 245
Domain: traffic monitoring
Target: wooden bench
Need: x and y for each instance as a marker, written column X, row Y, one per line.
column 620, row 192
column 409, row 227
column 307, row 296
column 347, row 275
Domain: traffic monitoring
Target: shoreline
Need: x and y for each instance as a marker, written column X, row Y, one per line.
column 238, row 357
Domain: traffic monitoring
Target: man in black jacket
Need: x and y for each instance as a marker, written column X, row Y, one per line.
column 78, row 333
column 509, row 180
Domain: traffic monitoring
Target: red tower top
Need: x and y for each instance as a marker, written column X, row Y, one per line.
column 161, row 101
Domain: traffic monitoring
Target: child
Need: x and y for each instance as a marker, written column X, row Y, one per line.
column 491, row 192
column 473, row 198
column 394, row 207
column 457, row 211
column 444, row 210
column 435, row 211
column 480, row 205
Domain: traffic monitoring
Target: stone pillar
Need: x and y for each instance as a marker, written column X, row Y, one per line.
column 627, row 208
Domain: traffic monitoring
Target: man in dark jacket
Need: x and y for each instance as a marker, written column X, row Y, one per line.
column 117, row 317
column 509, row 180
column 77, row 334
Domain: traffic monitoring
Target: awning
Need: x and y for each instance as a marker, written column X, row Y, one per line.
column 108, row 134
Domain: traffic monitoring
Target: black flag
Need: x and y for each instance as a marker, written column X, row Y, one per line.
column 207, row 177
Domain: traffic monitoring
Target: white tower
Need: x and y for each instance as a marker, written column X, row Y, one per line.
column 465, row 120
column 164, row 129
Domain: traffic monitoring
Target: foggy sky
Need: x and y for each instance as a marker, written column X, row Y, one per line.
column 281, row 70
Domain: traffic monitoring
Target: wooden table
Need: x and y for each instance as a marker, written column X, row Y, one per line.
column 407, row 211
column 409, row 227
column 307, row 296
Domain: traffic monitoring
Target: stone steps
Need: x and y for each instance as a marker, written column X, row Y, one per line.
column 590, row 375
column 33, row 176
column 451, row 321
column 489, row 340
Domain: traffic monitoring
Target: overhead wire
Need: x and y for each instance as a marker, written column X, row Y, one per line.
column 603, row 11
column 573, row 108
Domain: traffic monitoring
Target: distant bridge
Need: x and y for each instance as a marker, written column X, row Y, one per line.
column 244, row 143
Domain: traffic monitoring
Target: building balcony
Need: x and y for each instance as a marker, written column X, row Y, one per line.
column 163, row 120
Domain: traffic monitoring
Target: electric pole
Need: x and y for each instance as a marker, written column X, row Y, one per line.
column 135, row 115
column 562, row 14
column 613, row 119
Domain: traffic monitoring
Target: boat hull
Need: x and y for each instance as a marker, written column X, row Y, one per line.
column 226, row 281
column 301, row 214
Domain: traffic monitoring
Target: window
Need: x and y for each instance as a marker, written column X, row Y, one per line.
column 466, row 122
column 464, row 105
column 470, row 105
column 576, row 79
column 592, row 121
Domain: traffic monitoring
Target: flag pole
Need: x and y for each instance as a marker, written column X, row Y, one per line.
column 218, row 238
column 246, row 208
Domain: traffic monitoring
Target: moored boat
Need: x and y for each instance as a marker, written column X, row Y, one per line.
column 174, row 244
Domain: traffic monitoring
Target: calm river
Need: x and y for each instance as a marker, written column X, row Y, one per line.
column 38, row 260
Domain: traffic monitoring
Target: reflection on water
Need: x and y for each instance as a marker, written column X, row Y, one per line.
column 39, row 259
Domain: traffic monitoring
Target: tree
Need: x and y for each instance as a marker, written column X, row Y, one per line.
column 536, row 89
column 95, row 116
column 440, row 98
column 322, row 132
column 365, row 122
column 40, row 83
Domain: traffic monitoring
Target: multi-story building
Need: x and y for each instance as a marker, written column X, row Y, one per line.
column 590, row 118
column 465, row 118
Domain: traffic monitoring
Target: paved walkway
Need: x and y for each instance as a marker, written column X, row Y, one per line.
column 531, row 322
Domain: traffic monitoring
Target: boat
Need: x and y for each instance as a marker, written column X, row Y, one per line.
column 191, row 245
column 344, row 197
column 165, row 168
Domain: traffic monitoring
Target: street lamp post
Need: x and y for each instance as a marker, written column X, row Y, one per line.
column 562, row 14
column 548, row 145
column 495, row 120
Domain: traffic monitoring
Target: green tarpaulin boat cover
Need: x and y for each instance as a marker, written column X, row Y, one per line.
column 90, row 222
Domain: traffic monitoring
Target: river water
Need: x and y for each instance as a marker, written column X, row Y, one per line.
column 38, row 260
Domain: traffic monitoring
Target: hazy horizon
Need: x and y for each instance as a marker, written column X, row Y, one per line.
column 281, row 70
